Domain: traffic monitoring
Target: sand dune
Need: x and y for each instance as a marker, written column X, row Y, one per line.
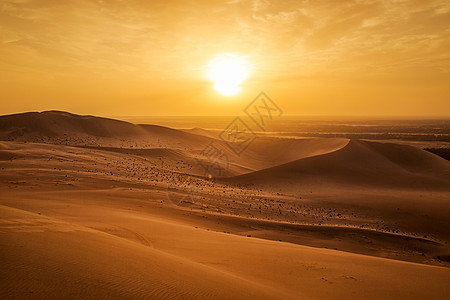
column 43, row 256
column 65, row 128
column 56, row 123
column 57, row 127
column 89, row 209
column 267, row 152
column 361, row 163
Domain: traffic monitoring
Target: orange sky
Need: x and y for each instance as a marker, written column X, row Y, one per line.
column 361, row 57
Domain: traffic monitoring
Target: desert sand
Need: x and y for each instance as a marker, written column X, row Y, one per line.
column 100, row 208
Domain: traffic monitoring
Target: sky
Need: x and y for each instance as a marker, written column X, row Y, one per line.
column 143, row 58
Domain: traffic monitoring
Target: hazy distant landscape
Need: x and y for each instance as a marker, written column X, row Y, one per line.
column 398, row 129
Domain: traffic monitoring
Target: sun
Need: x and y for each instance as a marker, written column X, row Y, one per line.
column 227, row 71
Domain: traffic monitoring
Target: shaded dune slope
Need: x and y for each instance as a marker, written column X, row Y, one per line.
column 33, row 126
column 56, row 127
column 360, row 163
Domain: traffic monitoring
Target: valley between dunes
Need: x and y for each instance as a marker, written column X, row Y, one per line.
column 101, row 208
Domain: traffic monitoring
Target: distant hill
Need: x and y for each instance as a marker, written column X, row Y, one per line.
column 71, row 129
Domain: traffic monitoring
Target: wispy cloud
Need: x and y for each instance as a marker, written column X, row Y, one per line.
column 285, row 39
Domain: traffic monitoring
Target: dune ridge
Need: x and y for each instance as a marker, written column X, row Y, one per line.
column 56, row 127
column 360, row 163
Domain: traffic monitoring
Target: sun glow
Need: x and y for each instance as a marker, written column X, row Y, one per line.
column 227, row 72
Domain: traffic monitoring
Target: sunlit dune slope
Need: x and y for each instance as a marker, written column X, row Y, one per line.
column 44, row 257
column 89, row 250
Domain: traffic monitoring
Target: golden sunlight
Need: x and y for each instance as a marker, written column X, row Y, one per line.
column 227, row 71
column 272, row 149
